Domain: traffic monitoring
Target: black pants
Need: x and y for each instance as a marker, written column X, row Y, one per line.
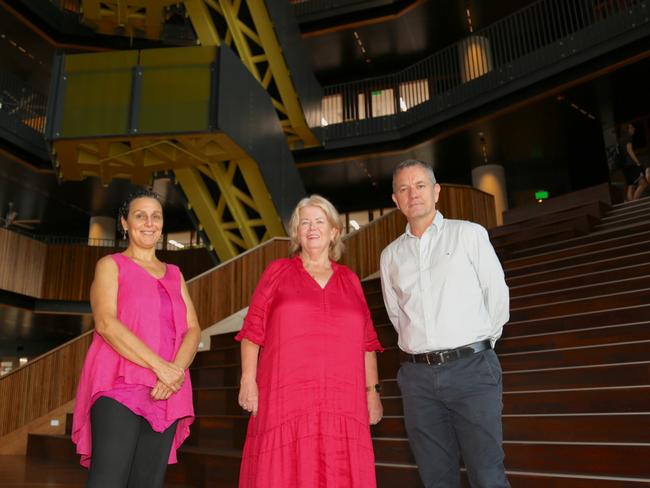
column 127, row 452
column 453, row 411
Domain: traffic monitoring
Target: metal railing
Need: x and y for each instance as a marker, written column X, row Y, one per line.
column 21, row 103
column 87, row 241
column 540, row 36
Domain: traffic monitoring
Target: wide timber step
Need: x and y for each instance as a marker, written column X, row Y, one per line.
column 540, row 287
column 593, row 237
column 565, row 252
column 608, row 334
column 584, row 257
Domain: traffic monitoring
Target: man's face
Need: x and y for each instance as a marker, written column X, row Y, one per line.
column 415, row 195
column 630, row 129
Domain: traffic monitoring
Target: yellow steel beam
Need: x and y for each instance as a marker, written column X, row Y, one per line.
column 207, row 212
column 259, row 50
column 280, row 71
column 224, row 178
column 230, row 11
column 202, row 22
column 253, row 217
column 130, row 17
column 263, row 201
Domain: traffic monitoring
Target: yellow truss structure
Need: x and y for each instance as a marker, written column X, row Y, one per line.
column 242, row 216
column 250, row 31
column 246, row 26
column 142, row 18
column 241, row 213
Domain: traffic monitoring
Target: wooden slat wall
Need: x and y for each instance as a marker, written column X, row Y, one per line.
column 467, row 203
column 69, row 269
column 41, row 385
column 22, row 261
column 363, row 247
column 226, row 289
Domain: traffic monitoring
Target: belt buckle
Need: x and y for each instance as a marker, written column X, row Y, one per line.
column 446, row 356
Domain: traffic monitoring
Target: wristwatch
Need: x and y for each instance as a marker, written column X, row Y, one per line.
column 376, row 388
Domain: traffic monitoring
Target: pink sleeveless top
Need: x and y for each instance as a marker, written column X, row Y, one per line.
column 154, row 310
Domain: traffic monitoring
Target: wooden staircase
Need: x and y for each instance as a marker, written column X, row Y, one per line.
column 575, row 358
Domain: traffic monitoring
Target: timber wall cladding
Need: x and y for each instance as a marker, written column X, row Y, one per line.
column 65, row 272
column 22, row 263
column 467, row 203
column 69, row 270
column 226, row 289
column 42, row 385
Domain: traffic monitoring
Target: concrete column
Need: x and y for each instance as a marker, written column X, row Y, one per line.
column 491, row 179
column 102, row 228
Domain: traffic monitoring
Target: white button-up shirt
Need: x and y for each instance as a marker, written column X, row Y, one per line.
column 444, row 289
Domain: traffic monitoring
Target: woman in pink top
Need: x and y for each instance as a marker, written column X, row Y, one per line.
column 134, row 400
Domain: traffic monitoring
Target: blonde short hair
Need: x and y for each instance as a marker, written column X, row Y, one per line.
column 336, row 246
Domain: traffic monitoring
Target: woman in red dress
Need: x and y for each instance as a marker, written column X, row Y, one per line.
column 309, row 368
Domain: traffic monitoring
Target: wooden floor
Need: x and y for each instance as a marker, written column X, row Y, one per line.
column 25, row 472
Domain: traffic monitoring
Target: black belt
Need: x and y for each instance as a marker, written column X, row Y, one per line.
column 447, row 355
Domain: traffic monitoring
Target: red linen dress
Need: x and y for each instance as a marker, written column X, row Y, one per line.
column 312, row 427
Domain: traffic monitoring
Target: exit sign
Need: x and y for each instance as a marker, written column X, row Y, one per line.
column 541, row 195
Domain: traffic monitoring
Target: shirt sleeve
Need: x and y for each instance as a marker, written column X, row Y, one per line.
column 491, row 280
column 371, row 342
column 390, row 297
column 254, row 327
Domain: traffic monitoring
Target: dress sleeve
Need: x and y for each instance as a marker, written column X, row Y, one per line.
column 254, row 327
column 371, row 342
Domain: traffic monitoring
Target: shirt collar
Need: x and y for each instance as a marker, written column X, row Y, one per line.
column 437, row 224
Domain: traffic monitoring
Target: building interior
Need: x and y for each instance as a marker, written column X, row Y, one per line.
column 234, row 110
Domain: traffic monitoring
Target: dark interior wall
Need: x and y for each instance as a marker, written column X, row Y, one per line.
column 390, row 45
column 630, row 92
column 486, row 12
column 24, row 54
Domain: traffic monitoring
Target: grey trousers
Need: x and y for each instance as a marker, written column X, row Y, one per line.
column 451, row 411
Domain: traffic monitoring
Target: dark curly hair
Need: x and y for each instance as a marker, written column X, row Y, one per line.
column 123, row 212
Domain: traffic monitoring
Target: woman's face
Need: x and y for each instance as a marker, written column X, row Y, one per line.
column 144, row 222
column 315, row 233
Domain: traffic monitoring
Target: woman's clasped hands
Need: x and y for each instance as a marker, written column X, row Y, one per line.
column 170, row 380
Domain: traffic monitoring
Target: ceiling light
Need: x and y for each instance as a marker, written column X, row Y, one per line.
column 354, row 224
column 323, row 122
column 176, row 243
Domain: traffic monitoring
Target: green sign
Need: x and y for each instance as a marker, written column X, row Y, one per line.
column 376, row 93
column 541, row 195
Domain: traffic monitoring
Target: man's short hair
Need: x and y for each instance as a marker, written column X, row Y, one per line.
column 407, row 163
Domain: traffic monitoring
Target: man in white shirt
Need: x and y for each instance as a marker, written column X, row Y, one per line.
column 446, row 295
